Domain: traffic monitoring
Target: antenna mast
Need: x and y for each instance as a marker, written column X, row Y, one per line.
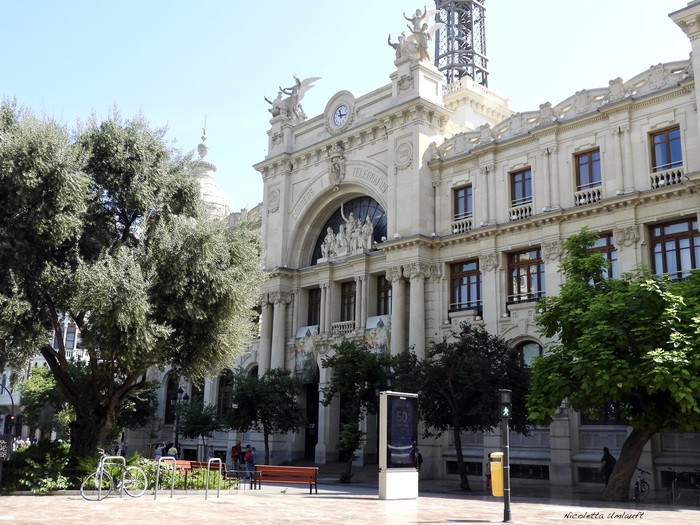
column 460, row 46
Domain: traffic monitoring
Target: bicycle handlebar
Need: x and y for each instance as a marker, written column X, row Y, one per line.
column 642, row 471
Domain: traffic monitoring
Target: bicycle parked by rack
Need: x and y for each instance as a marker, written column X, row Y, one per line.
column 641, row 486
column 101, row 483
column 673, row 493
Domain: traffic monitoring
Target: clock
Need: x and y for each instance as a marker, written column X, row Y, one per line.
column 340, row 115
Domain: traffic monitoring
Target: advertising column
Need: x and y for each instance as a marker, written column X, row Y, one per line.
column 398, row 449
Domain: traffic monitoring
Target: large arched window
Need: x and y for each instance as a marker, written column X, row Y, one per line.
column 360, row 207
column 527, row 352
column 225, row 397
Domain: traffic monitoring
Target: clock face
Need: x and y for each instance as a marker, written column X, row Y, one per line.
column 340, row 115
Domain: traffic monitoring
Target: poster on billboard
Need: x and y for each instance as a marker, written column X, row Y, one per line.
column 402, row 430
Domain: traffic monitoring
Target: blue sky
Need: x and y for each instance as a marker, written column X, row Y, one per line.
column 177, row 61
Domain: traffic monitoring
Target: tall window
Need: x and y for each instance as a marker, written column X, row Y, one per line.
column 225, row 394
column 606, row 245
column 666, row 149
column 463, row 203
column 70, row 338
column 521, row 187
column 676, row 248
column 383, row 296
column 314, row 316
column 588, row 170
column 526, row 272
column 465, row 286
column 347, row 298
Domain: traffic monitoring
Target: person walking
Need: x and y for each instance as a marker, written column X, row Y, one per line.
column 607, row 464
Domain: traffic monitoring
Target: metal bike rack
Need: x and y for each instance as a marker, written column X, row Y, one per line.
column 108, row 460
column 172, row 486
column 218, row 488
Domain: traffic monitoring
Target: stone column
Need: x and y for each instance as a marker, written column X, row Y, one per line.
column 363, row 302
column 358, row 302
column 619, row 170
column 329, row 307
column 280, row 300
column 417, row 273
column 265, row 335
column 546, row 175
column 628, row 168
column 554, row 191
column 322, row 327
column 490, row 194
column 398, row 310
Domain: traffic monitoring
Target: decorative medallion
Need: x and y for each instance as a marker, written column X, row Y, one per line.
column 273, row 201
column 403, row 155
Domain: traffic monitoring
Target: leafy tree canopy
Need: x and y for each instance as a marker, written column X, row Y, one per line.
column 458, row 383
column 356, row 374
column 266, row 404
column 106, row 229
column 633, row 340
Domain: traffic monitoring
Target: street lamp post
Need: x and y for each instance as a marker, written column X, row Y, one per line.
column 177, row 398
column 12, row 408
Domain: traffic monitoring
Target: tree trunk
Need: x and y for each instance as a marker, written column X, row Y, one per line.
column 266, row 438
column 618, row 487
column 86, row 433
column 461, row 466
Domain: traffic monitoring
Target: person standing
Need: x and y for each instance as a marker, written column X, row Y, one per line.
column 607, row 464
column 236, row 456
column 249, row 461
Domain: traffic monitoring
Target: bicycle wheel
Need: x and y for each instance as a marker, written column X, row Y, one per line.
column 135, row 482
column 643, row 490
column 95, row 488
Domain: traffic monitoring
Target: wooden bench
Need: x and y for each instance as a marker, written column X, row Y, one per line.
column 289, row 474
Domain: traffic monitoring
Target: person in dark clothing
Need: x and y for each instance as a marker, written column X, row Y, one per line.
column 607, row 464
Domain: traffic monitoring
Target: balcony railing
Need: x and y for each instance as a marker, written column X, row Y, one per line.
column 518, row 213
column 462, row 225
column 588, row 196
column 343, row 327
column 661, row 179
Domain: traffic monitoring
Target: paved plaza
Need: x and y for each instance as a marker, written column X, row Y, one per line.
column 335, row 503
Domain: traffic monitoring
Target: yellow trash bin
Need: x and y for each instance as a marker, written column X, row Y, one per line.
column 496, row 463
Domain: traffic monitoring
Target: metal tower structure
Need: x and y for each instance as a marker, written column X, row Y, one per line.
column 460, row 45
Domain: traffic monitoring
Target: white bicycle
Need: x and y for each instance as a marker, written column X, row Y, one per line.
column 101, row 483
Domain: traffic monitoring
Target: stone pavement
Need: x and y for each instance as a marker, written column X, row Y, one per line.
column 341, row 504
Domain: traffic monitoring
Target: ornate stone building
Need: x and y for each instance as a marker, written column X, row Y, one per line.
column 465, row 205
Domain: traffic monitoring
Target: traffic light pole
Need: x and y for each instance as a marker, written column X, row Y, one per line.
column 506, row 401
column 506, row 471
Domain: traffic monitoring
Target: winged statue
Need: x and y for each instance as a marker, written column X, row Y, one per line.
column 290, row 107
column 422, row 32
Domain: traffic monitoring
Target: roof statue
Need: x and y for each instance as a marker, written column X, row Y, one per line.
column 422, row 33
column 290, row 107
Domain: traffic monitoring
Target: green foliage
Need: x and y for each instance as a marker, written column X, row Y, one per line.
column 633, row 340
column 458, row 382
column 357, row 373
column 199, row 420
column 42, row 401
column 108, row 229
column 266, row 404
column 40, row 468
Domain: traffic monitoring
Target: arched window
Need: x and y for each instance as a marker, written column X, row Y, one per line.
column 360, row 207
column 527, row 352
column 170, row 394
column 253, row 371
column 225, row 397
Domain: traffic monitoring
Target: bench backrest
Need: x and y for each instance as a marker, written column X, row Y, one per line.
column 212, row 466
column 288, row 471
